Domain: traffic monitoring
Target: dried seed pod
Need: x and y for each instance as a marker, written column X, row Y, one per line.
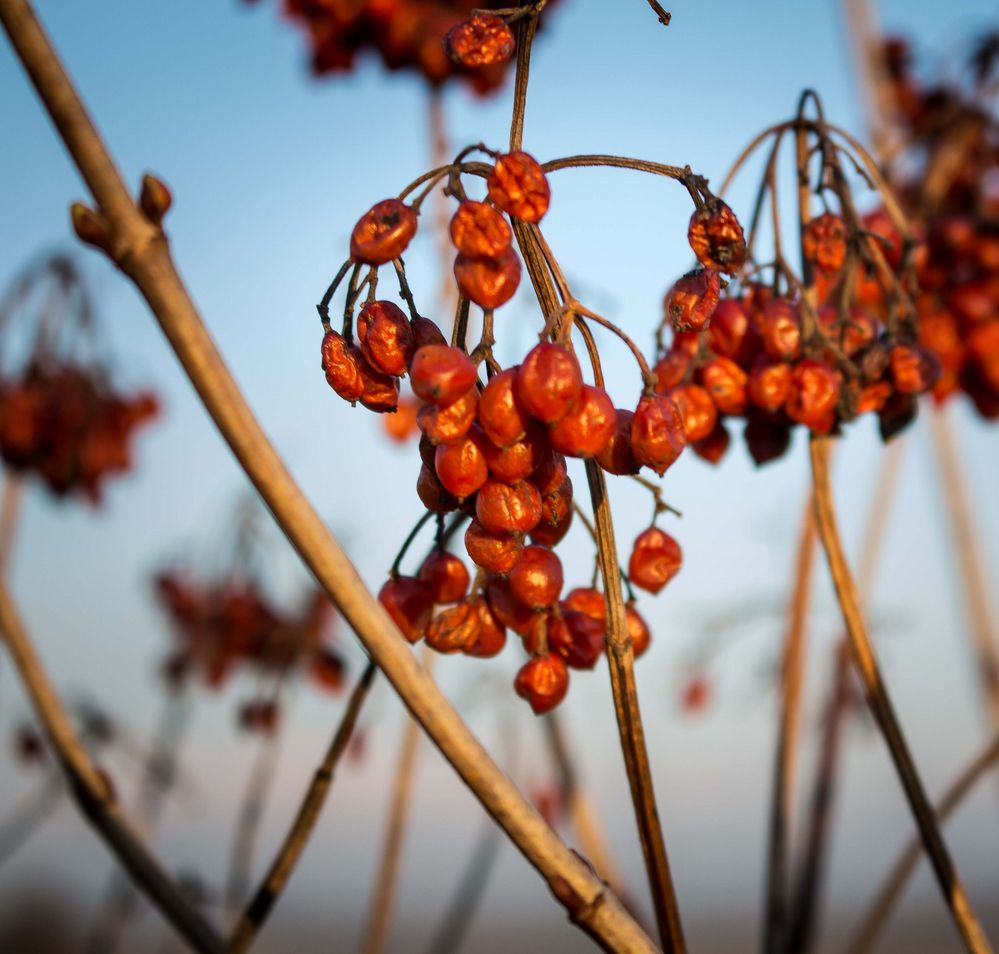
column 445, row 575
column 655, row 559
column 490, row 634
column 536, row 579
column 588, row 427
column 716, row 237
column 517, row 184
column 489, row 282
column 812, row 396
column 386, row 337
column 410, row 604
column 482, row 40
column 508, row 508
column 501, row 414
column 441, row 374
column 543, row 681
column 343, row 370
column 549, row 382
column 690, row 303
column 454, row 629
column 383, row 232
column 657, row 434
column 479, row 231
column 495, row 552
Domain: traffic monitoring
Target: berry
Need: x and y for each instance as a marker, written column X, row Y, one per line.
column 454, row 629
column 495, row 552
column 508, row 508
column 617, row 456
column 657, row 434
column 489, row 282
column 716, row 237
column 824, row 243
column 445, row 576
column 382, row 233
column 461, row 466
column 812, row 396
column 445, row 424
column 536, row 580
column 781, row 330
column 588, row 427
column 481, row 40
column 479, row 231
column 441, row 374
column 501, row 414
column 725, row 381
column 410, row 604
column 697, row 410
column 769, row 384
column 543, row 681
column 692, row 300
column 518, row 186
column 655, row 559
column 549, row 382
column 343, row 371
column 576, row 637
column 386, row 337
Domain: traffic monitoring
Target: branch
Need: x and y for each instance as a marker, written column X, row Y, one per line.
column 141, row 251
column 90, row 789
column 881, row 706
column 664, row 16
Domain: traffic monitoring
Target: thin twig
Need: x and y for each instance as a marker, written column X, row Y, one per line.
column 881, row 708
column 140, row 249
column 283, row 865
column 902, row 870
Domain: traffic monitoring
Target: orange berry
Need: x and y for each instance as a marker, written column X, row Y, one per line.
column 441, row 374
column 725, row 381
column 543, row 681
column 508, row 508
column 432, row 492
column 445, row 576
column 479, row 231
column 489, row 282
column 769, row 383
column 549, row 382
column 824, row 242
column 482, row 40
column 781, row 329
column 410, row 604
column 454, row 629
column 655, row 559
column 518, row 186
column 536, row 579
column 588, row 427
column 576, row 637
column 812, row 396
column 461, row 466
column 501, row 415
column 495, row 552
column 490, row 634
column 697, row 410
column 383, row 232
column 716, row 237
column 447, row 423
column 657, row 434
column 692, row 300
column 617, row 456
column 343, row 370
column 386, row 337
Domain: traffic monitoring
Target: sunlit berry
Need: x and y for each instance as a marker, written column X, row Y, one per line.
column 692, row 300
column 655, row 559
column 453, row 629
column 432, row 493
column 823, row 242
column 716, row 237
column 489, row 282
column 517, row 184
column 479, row 231
column 440, row 374
column 484, row 39
column 461, row 466
column 713, row 447
column 518, row 460
column 781, row 329
column 410, row 604
column 638, row 630
column 586, row 600
column 380, row 392
column 556, row 516
column 657, row 434
column 732, row 334
column 445, row 576
column 495, row 552
column 549, row 382
column 550, row 473
column 617, row 456
column 697, row 410
column 769, row 383
column 343, row 370
column 508, row 508
column 536, row 579
column 400, row 425
column 489, row 634
column 447, row 423
column 588, row 427
column 543, row 681
column 914, row 369
column 725, row 381
column 383, row 232
column 386, row 337
column 501, row 414
column 813, row 394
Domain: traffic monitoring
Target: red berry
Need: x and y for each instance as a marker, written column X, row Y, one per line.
column 447, row 423
column 495, row 552
column 479, row 231
column 716, row 237
column 657, row 434
column 382, row 233
column 824, row 243
column 692, row 300
column 441, row 374
column 508, row 508
column 461, row 466
column 489, row 282
column 543, row 681
column 549, row 382
column 536, row 579
column 518, row 186
column 577, row 638
column 697, row 410
column 482, row 40
column 617, row 456
column 813, row 394
column 503, row 418
column 445, row 576
column 386, row 337
column 343, row 371
column 409, row 603
column 725, row 381
column 655, row 559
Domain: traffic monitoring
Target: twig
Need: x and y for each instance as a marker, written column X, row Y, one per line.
column 902, row 870
column 970, row 561
column 777, row 908
column 881, row 707
column 283, row 865
column 387, row 879
column 141, row 251
column 526, row 29
column 10, row 509
column 664, row 16
column 90, row 788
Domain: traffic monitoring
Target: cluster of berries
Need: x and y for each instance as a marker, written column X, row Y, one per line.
column 495, row 451
column 220, row 625
column 421, row 35
column 67, row 424
column 946, row 181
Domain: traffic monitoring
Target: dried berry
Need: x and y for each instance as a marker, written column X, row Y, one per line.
column 824, row 242
column 576, row 637
column 343, row 370
column 454, row 629
column 812, row 396
column 441, row 374
column 655, row 559
column 697, row 410
column 447, row 423
column 482, row 40
column 518, row 186
column 725, row 381
column 410, row 604
column 461, row 466
column 383, row 232
column 508, row 508
column 617, row 456
column 501, row 414
column 489, row 282
column 536, row 579
column 445, row 576
column 495, row 552
column 479, row 231
column 386, row 337
column 716, row 237
column 543, row 681
column 549, row 382
column 692, row 300
column 588, row 427
column 657, row 434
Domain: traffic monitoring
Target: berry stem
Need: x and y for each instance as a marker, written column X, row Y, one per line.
column 407, row 543
column 881, row 707
column 526, row 29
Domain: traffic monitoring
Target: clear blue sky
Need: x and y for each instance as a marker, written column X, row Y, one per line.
column 270, row 169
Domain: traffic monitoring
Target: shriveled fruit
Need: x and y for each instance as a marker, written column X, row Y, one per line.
column 655, row 559
column 445, row 576
column 697, row 410
column 480, row 231
column 495, row 552
column 769, row 383
column 549, row 382
column 501, row 414
column 343, row 370
column 716, row 237
column 813, row 394
column 484, row 39
column 536, row 579
column 518, row 460
column 489, row 282
column 432, row 493
column 543, row 681
column 657, row 434
column 692, row 300
column 508, row 508
column 517, row 184
column 725, row 381
column 447, row 423
column 383, row 232
column 588, row 427
column 386, row 337
column 461, row 466
column 453, row 629
column 781, row 329
column 617, row 456
column 489, row 635
column 410, row 604
column 824, row 242
column 576, row 637
column 441, row 374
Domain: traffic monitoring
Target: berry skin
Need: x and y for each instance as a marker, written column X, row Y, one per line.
column 731, row 333
column 509, row 610
column 489, row 282
column 536, row 580
column 556, row 516
column 445, row 576
column 381, row 391
column 550, row 473
column 914, row 369
column 655, row 559
column 426, row 332
column 518, row 186
column 432, row 492
column 441, row 374
column 766, row 438
column 673, row 368
column 692, row 300
column 479, row 231
column 461, row 466
column 343, row 370
column 508, row 508
column 495, row 552
column 409, row 603
column 725, row 381
column 638, row 630
column 781, row 330
column 454, row 629
column 713, row 447
column 501, row 415
column 576, row 637
column 386, row 337
column 445, row 424
column 543, row 681
column 697, row 410
column 588, row 428
column 382, row 233
column 824, row 243
column 716, row 237
column 490, row 634
column 617, row 456
column 482, row 40
column 657, row 434
column 517, row 461
column 549, row 382
column 769, row 384
column 813, row 394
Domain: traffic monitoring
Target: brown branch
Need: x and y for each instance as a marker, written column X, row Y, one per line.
column 905, row 865
column 91, row 791
column 140, row 249
column 283, row 865
column 10, row 510
column 881, row 708
column 969, row 556
column 387, row 878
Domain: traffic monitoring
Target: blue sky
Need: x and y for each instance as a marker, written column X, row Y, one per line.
column 270, row 169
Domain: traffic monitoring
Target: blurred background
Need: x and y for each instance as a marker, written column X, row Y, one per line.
column 270, row 168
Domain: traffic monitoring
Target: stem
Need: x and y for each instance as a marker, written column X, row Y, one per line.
column 904, row 867
column 380, row 916
column 811, row 867
column 969, row 556
column 267, row 894
column 141, row 251
column 10, row 509
column 788, row 732
column 90, row 788
column 881, row 708
column 621, row 660
column 526, row 29
column 408, row 542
